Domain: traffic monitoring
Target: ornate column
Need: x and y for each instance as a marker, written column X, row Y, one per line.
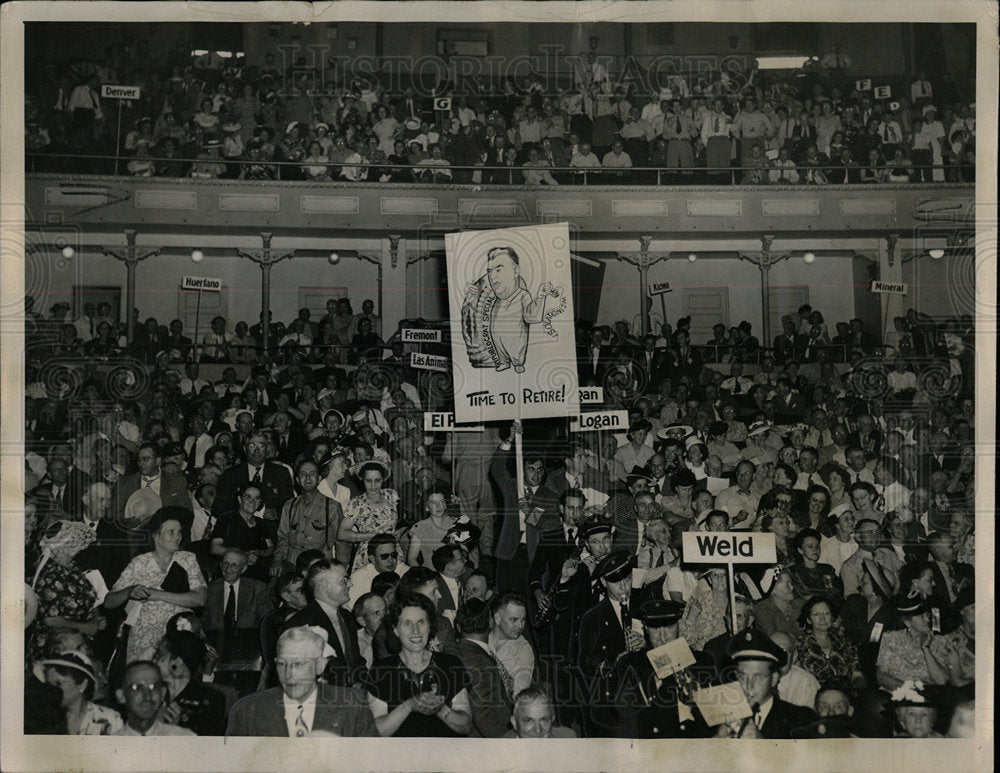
column 265, row 258
column 392, row 282
column 642, row 260
column 764, row 260
column 131, row 256
column 890, row 268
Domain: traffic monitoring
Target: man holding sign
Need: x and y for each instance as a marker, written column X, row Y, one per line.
column 655, row 685
column 758, row 664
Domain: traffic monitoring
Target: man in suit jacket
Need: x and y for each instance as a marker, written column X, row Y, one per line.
column 488, row 700
column 291, row 440
column 302, row 706
column 758, row 664
column 556, row 540
column 330, row 588
column 789, row 406
column 276, row 482
column 655, row 362
column 951, row 577
column 170, row 487
column 235, row 606
column 593, row 359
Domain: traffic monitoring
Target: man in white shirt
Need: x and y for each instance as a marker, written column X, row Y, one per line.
column 507, row 642
column 368, row 610
column 739, row 501
column 143, row 694
column 384, row 554
column 191, row 385
column 302, row 706
column 96, row 500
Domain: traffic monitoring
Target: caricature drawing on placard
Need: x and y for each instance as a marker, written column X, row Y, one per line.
column 498, row 312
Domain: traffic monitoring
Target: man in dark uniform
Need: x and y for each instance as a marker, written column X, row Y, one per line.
column 576, row 592
column 607, row 633
column 650, row 707
column 758, row 662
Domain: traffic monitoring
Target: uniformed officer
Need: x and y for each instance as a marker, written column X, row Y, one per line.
column 650, row 707
column 758, row 662
column 578, row 590
column 607, row 633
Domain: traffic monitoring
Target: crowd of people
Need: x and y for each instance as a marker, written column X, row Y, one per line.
column 290, row 554
column 204, row 117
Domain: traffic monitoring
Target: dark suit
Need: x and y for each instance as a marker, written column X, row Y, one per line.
column 586, row 370
column 658, row 367
column 448, row 599
column 789, row 409
column 490, row 705
column 647, row 711
column 550, row 552
column 253, row 603
column 964, row 577
column 343, row 668
column 785, row 717
column 173, row 492
column 275, row 480
column 342, row 711
column 290, row 448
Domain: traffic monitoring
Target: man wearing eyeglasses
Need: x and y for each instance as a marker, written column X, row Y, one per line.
column 143, row 694
column 273, row 478
column 302, row 706
column 383, row 553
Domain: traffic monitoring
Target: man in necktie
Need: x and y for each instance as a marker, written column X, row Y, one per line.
column 234, row 608
column 678, row 134
column 758, row 664
column 302, row 705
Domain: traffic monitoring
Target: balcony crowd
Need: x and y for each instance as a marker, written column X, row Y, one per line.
column 206, row 117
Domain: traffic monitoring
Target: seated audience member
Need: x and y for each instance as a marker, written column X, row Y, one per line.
column 191, row 703
column 143, row 693
column 73, row 674
column 302, row 705
column 416, row 691
column 235, row 607
column 383, row 552
column 534, row 716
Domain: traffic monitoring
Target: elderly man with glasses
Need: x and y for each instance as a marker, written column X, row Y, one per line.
column 302, row 706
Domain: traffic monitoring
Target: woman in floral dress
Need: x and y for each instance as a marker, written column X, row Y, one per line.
column 66, row 599
column 371, row 513
column 144, row 579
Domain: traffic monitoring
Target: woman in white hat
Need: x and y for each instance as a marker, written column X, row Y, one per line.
column 73, row 673
column 373, row 512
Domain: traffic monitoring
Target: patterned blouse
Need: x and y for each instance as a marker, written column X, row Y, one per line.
column 62, row 591
column 372, row 518
column 100, row 720
column 841, row 663
column 704, row 619
column 900, row 656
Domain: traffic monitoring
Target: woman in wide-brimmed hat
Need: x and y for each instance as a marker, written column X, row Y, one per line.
column 370, row 513
column 75, row 675
column 915, row 652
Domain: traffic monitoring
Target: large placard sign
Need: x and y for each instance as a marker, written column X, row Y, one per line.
column 512, row 337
